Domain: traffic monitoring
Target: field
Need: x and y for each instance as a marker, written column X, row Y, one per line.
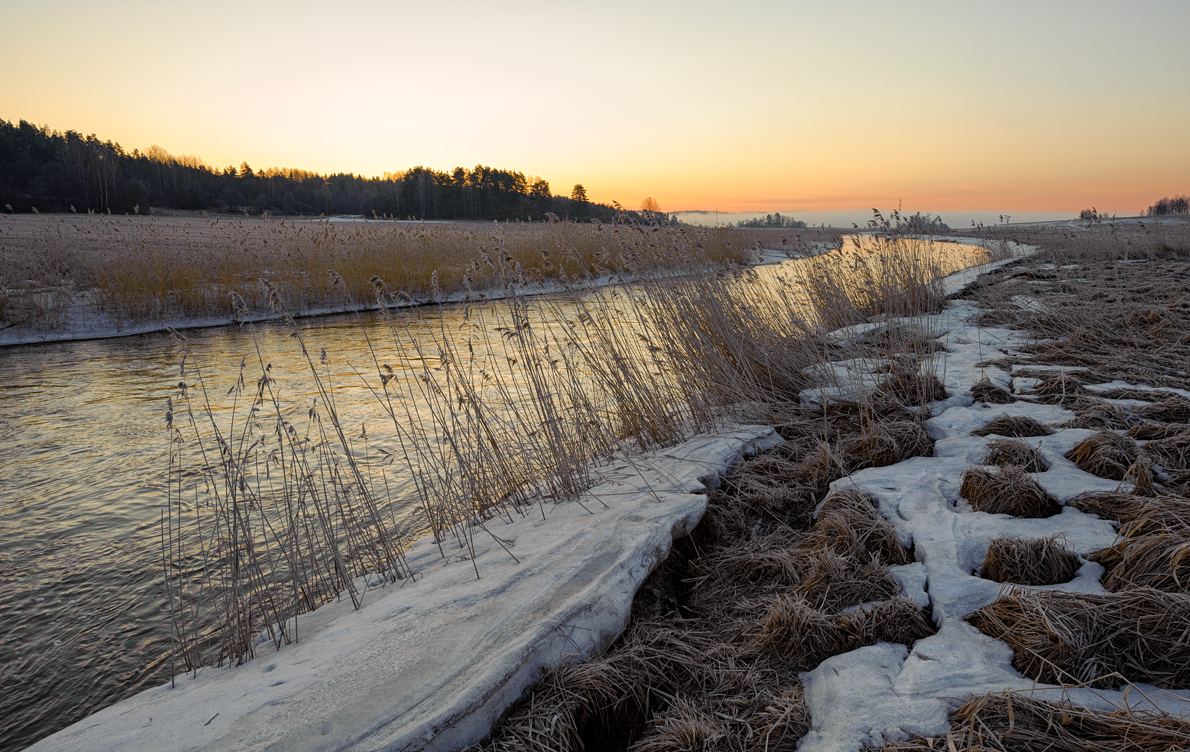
column 107, row 272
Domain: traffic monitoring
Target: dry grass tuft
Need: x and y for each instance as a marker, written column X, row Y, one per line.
column 1004, row 452
column 909, row 386
column 887, row 443
column 1010, row 490
column 1160, row 561
column 1097, row 414
column 1172, row 409
column 1029, row 561
column 805, row 637
column 1106, row 454
column 1015, row 426
column 987, row 392
column 1015, row 721
column 1056, row 388
column 1171, row 453
column 1069, row 638
column 849, row 523
column 1137, row 513
column 1148, row 431
column 832, row 581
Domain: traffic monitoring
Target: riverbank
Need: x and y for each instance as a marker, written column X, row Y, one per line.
column 80, row 326
column 462, row 566
column 78, row 276
column 1022, row 552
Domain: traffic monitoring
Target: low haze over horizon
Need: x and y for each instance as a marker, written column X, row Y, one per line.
column 813, row 109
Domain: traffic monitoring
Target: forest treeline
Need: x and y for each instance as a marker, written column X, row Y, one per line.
column 1168, row 205
column 50, row 171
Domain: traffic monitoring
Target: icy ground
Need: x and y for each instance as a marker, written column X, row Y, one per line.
column 431, row 664
column 887, row 692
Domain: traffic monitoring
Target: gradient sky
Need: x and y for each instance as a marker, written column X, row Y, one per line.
column 788, row 106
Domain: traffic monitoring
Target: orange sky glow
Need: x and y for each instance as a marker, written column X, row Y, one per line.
column 750, row 106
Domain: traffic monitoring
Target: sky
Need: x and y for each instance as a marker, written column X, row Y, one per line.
column 815, row 108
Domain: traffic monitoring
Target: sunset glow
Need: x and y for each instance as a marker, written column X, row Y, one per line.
column 789, row 106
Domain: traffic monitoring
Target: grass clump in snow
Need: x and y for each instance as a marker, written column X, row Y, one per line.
column 1160, row 561
column 1172, row 452
column 805, row 636
column 988, row 393
column 849, row 523
column 1172, row 409
column 1137, row 514
column 1017, row 721
column 1029, row 561
column 886, row 443
column 1005, row 452
column 1149, row 430
column 1009, row 490
column 1013, row 426
column 1137, row 635
column 909, row 386
column 1106, row 454
column 1097, row 414
column 1056, row 388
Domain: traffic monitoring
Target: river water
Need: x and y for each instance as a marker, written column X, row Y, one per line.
column 83, row 467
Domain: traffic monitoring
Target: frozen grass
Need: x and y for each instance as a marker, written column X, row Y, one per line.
column 1115, row 301
column 1007, row 490
column 1016, row 426
column 720, row 630
column 1029, row 561
column 1005, row 721
column 1005, row 452
column 1137, row 635
column 1137, row 513
column 1160, row 561
column 1106, row 454
column 987, row 392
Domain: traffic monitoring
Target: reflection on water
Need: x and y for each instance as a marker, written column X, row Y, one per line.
column 83, row 458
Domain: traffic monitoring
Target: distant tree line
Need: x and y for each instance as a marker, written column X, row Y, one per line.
column 63, row 171
column 1168, row 205
column 771, row 220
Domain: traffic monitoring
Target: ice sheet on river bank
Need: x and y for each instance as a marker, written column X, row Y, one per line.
column 431, row 664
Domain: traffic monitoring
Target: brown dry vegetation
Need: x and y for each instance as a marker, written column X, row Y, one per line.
column 1110, row 303
column 1017, row 722
column 1136, row 635
column 153, row 267
column 1029, row 561
column 760, row 591
column 1116, row 303
column 1005, row 452
column 1017, row 426
column 1106, row 454
column 1008, row 490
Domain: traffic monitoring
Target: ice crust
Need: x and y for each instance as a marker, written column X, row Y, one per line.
column 431, row 664
column 886, row 692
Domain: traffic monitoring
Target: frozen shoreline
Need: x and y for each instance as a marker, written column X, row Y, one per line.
column 432, row 663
